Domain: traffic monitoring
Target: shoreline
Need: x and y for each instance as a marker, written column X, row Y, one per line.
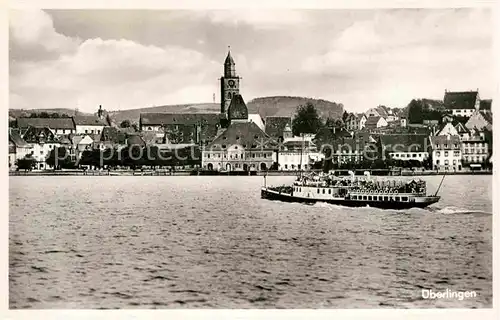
column 383, row 173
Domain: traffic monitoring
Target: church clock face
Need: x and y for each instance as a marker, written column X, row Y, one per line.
column 231, row 83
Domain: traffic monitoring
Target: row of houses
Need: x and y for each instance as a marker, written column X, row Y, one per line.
column 463, row 104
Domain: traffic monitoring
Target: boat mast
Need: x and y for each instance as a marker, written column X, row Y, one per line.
column 301, row 148
column 439, row 187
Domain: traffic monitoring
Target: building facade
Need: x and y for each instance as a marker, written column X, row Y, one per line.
column 59, row 126
column 446, row 153
column 42, row 141
column 461, row 104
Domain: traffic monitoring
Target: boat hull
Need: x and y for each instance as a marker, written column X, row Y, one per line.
column 420, row 202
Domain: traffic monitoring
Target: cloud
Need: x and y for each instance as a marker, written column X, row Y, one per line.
column 114, row 73
column 33, row 31
column 419, row 53
column 259, row 19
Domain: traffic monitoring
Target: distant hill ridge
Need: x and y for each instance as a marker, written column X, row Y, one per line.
column 265, row 106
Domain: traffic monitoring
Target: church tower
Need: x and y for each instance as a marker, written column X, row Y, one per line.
column 229, row 84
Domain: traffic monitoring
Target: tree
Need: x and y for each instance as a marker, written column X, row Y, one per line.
column 26, row 163
column 306, row 120
column 125, row 124
column 59, row 158
column 415, row 112
column 344, row 116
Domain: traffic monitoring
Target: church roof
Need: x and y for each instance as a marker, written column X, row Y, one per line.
column 246, row 134
column 160, row 118
column 229, row 59
column 460, row 100
column 237, row 109
column 52, row 123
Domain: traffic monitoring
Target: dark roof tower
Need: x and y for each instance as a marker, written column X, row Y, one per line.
column 229, row 66
column 237, row 109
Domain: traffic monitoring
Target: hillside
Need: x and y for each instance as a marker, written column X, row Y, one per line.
column 286, row 106
column 16, row 113
column 266, row 106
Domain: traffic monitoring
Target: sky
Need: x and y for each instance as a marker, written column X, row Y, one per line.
column 141, row 58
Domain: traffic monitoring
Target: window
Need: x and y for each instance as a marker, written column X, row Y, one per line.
column 86, row 131
column 454, row 161
column 414, row 155
column 364, row 197
column 286, row 166
column 446, row 153
column 253, row 155
column 404, row 198
column 438, row 153
column 397, row 198
column 437, row 161
column 445, row 145
column 369, row 198
column 323, row 191
column 446, row 162
column 318, row 190
column 386, row 198
column 235, row 147
column 223, row 146
column 329, row 191
column 208, row 155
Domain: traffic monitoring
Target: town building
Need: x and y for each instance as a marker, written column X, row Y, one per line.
column 447, row 129
column 353, row 150
column 18, row 148
column 446, row 153
column 461, row 104
column 462, row 131
column 480, row 120
column 297, row 153
column 355, row 122
column 404, row 146
column 475, row 150
column 242, row 146
column 199, row 128
column 89, row 124
column 58, row 126
column 375, row 122
column 42, row 141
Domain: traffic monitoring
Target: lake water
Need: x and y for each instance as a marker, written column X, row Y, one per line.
column 211, row 242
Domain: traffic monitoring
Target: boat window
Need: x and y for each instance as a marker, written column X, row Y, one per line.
column 364, row 197
column 329, row 191
column 404, row 198
column 397, row 198
column 386, row 198
column 318, row 190
column 323, row 191
column 370, row 198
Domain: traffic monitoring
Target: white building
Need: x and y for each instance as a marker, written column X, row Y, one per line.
column 446, row 153
column 297, row 153
column 462, row 104
column 41, row 141
column 355, row 122
column 89, row 124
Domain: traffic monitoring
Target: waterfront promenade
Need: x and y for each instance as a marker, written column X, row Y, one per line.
column 194, row 172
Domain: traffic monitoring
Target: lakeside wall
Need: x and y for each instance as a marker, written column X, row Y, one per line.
column 233, row 173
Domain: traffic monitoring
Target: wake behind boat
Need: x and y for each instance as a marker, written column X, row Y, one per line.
column 354, row 192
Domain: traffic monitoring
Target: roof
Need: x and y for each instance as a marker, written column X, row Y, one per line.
column 179, row 118
column 461, row 128
column 17, row 140
column 275, row 126
column 229, row 59
column 89, row 121
column 460, row 100
column 485, row 104
column 237, row 109
column 372, row 121
column 52, row 123
column 246, row 134
column 39, row 134
column 135, row 140
column 403, row 142
column 113, row 135
column 382, row 111
column 488, row 116
column 445, row 142
column 352, row 145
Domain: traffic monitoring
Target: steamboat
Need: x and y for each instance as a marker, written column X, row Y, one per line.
column 354, row 191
